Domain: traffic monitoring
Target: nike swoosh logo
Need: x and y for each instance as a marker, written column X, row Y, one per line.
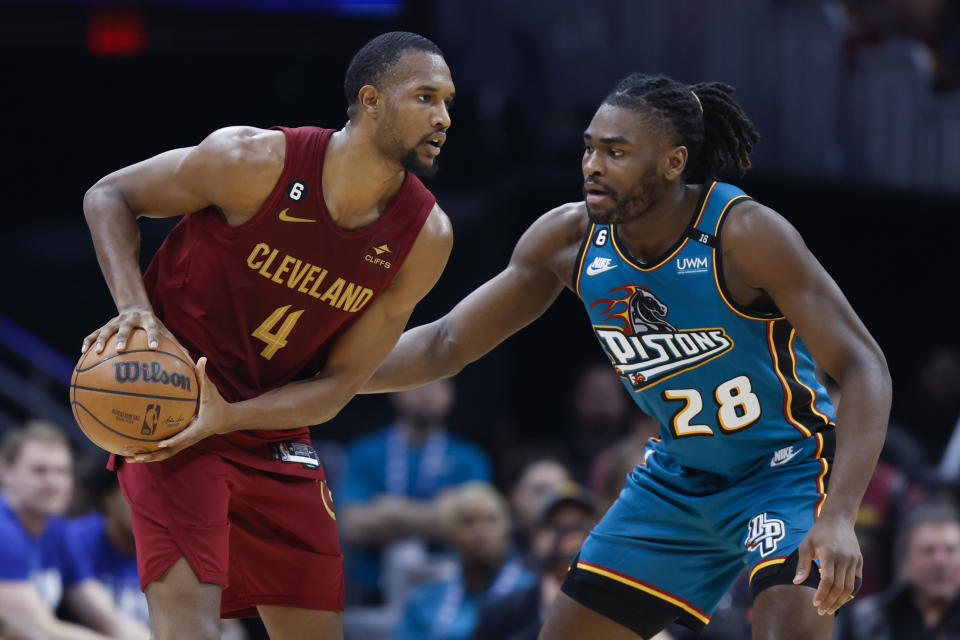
column 592, row 270
column 777, row 463
column 286, row 218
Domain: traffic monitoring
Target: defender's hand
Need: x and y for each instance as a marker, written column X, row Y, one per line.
column 128, row 320
column 831, row 541
column 210, row 420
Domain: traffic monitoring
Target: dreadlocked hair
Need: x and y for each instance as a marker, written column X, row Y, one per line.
column 703, row 117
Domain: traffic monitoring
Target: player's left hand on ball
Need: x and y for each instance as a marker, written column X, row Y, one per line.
column 208, row 421
column 833, row 542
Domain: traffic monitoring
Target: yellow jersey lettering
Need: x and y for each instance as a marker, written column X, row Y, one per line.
column 349, row 296
column 313, row 290
column 362, row 299
column 297, row 273
column 306, row 278
column 333, row 292
column 266, row 265
column 283, row 268
column 255, row 259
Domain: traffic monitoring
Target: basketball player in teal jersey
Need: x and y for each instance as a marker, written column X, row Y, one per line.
column 712, row 310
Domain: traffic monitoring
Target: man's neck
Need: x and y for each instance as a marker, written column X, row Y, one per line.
column 477, row 577
column 932, row 610
column 33, row 521
column 415, row 434
column 650, row 235
column 358, row 182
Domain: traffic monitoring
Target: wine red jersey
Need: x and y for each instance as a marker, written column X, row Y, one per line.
column 265, row 301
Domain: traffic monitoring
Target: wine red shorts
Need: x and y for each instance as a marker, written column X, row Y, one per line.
column 267, row 538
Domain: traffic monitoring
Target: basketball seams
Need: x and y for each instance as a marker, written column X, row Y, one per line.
column 132, row 393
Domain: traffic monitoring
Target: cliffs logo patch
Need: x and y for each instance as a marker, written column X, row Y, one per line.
column 377, row 260
column 643, row 345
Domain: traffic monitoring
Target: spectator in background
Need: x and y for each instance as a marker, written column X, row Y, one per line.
column 926, row 601
column 395, row 483
column 105, row 538
column 935, row 23
column 477, row 523
column 519, row 616
column 931, row 405
column 538, row 480
column 571, row 507
column 38, row 565
column 600, row 414
column 610, row 468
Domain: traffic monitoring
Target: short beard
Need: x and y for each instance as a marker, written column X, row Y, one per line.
column 411, row 162
column 633, row 205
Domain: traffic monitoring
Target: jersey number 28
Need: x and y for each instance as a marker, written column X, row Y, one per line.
column 738, row 408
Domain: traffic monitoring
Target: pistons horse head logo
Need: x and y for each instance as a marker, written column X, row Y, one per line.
column 637, row 308
column 643, row 347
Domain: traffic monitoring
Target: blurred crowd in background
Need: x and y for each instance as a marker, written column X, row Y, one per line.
column 445, row 540
column 461, row 504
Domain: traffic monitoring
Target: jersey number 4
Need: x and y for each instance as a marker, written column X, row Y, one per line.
column 276, row 340
column 738, row 408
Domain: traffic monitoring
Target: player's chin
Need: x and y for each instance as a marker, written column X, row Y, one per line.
column 427, row 169
column 601, row 214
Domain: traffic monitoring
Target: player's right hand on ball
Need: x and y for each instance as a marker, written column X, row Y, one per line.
column 129, row 319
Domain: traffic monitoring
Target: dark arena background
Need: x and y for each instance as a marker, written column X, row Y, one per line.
column 857, row 103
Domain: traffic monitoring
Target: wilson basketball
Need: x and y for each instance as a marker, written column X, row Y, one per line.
column 128, row 402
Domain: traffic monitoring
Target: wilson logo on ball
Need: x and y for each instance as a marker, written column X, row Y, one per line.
column 149, row 372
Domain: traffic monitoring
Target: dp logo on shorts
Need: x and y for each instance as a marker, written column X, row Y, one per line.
column 764, row 533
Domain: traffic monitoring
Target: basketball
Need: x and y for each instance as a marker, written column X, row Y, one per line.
column 128, row 402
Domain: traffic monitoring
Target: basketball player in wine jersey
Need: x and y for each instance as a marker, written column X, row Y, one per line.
column 712, row 310
column 300, row 257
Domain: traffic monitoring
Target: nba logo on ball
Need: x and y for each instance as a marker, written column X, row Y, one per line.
column 126, row 403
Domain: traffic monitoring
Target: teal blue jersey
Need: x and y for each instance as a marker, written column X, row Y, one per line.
column 728, row 385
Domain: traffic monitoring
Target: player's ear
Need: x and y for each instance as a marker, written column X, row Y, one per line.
column 369, row 98
column 675, row 162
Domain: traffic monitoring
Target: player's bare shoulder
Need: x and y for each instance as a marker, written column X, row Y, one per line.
column 751, row 226
column 437, row 230
column 428, row 255
column 760, row 249
column 554, row 239
column 240, row 166
column 436, row 235
column 751, row 222
column 243, row 145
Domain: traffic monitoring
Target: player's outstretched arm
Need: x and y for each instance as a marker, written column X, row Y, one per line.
column 233, row 168
column 541, row 264
column 766, row 253
column 354, row 357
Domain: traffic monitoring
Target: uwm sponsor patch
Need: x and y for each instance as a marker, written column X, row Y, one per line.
column 645, row 348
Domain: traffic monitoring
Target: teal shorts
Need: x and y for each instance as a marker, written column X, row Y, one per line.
column 682, row 536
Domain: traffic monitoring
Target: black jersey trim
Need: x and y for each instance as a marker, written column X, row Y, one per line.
column 675, row 248
column 740, row 310
column 581, row 256
column 799, row 400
